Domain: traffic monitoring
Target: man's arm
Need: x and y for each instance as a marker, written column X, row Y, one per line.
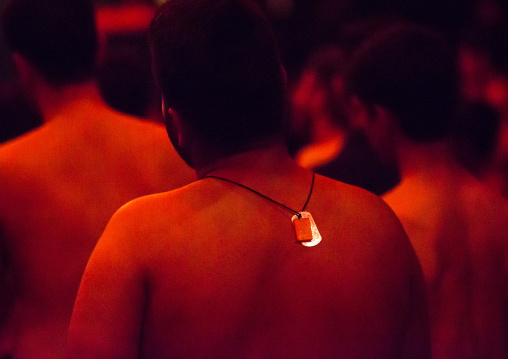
column 6, row 289
column 417, row 343
column 108, row 313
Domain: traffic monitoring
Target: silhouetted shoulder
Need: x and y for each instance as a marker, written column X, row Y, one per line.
column 358, row 204
column 148, row 212
column 13, row 149
column 360, row 220
column 18, row 157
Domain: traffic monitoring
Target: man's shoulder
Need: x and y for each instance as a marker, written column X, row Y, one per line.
column 147, row 223
column 485, row 209
column 416, row 198
column 354, row 199
column 22, row 153
column 364, row 229
column 363, row 213
column 146, row 211
column 145, row 126
column 22, row 143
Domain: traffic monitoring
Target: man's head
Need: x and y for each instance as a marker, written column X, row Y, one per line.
column 57, row 37
column 409, row 74
column 217, row 66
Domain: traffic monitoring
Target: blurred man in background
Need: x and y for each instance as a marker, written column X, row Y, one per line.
column 404, row 91
column 62, row 182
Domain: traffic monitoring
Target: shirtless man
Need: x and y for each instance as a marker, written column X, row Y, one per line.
column 219, row 271
column 404, row 92
column 61, row 183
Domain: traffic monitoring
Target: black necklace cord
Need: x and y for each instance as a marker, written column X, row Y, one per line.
column 298, row 214
column 310, row 192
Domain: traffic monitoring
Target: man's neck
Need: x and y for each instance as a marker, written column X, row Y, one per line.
column 55, row 101
column 272, row 159
column 325, row 130
column 426, row 159
column 268, row 170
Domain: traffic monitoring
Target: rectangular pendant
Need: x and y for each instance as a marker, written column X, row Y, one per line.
column 306, row 230
column 302, row 229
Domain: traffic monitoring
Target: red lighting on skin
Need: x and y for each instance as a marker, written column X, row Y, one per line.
column 124, row 18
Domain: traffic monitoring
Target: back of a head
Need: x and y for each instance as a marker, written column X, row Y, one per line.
column 412, row 72
column 58, row 37
column 216, row 62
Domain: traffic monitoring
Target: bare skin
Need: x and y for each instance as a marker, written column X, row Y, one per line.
column 60, row 184
column 326, row 137
column 214, row 270
column 460, row 234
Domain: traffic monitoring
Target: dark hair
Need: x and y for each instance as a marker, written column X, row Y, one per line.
column 58, row 37
column 216, row 62
column 412, row 72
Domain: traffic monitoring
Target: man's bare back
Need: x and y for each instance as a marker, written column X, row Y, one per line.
column 214, row 270
column 459, row 234
column 60, row 184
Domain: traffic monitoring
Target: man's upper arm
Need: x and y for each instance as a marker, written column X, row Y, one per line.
column 6, row 290
column 418, row 342
column 107, row 316
column 6, row 270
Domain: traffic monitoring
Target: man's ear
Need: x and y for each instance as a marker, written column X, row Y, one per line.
column 284, row 75
column 25, row 70
column 385, row 117
column 359, row 113
column 175, row 121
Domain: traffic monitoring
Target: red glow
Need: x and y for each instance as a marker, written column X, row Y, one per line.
column 124, row 18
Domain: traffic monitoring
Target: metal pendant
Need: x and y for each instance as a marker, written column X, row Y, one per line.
column 306, row 230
